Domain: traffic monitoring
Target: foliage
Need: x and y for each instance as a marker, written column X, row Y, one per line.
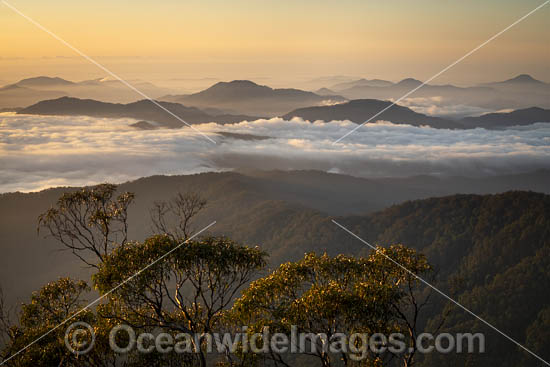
column 329, row 295
column 491, row 253
column 187, row 290
column 89, row 221
column 49, row 307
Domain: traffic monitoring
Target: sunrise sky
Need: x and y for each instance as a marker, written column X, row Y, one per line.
column 278, row 40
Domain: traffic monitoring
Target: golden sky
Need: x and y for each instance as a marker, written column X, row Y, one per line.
column 281, row 40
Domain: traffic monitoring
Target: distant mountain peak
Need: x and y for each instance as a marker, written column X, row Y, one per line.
column 242, row 81
column 409, row 82
column 237, row 83
column 361, row 83
column 524, row 78
column 235, row 86
column 141, row 110
column 44, row 80
column 361, row 110
column 525, row 116
column 325, row 92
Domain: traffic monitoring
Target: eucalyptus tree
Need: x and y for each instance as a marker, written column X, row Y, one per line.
column 174, row 217
column 40, row 332
column 188, row 290
column 328, row 297
column 89, row 222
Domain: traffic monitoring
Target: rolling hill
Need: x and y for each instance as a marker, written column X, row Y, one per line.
column 32, row 90
column 522, row 81
column 267, row 207
column 525, row 116
column 246, row 97
column 360, row 110
column 44, row 82
column 14, row 96
column 520, row 92
column 140, row 110
column 361, row 83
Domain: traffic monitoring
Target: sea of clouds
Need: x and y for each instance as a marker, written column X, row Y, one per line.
column 439, row 106
column 37, row 152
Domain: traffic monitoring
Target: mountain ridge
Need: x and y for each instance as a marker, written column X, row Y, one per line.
column 526, row 116
column 357, row 111
column 140, row 110
column 43, row 81
column 519, row 79
column 360, row 110
column 35, row 89
column 245, row 96
column 521, row 91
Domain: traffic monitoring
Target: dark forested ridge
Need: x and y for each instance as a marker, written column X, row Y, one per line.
column 525, row 116
column 361, row 110
column 286, row 212
column 141, row 110
column 491, row 252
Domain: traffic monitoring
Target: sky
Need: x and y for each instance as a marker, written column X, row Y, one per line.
column 279, row 42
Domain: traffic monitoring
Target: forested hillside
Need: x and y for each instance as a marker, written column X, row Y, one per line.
column 491, row 252
column 277, row 209
column 493, row 256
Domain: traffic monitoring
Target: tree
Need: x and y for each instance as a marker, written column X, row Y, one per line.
column 174, row 217
column 187, row 291
column 49, row 307
column 89, row 221
column 538, row 336
column 327, row 295
column 7, row 334
column 412, row 300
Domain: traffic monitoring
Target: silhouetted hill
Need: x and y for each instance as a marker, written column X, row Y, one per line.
column 143, row 125
column 44, row 81
column 505, row 119
column 525, row 78
column 522, row 79
column 361, row 110
column 244, row 96
column 141, row 110
column 325, row 92
column 493, row 255
column 32, row 90
column 408, row 83
column 519, row 92
column 14, row 95
column 362, row 83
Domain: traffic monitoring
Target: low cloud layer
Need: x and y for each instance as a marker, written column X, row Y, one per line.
column 439, row 106
column 37, row 152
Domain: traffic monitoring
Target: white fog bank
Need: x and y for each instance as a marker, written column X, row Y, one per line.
column 37, row 152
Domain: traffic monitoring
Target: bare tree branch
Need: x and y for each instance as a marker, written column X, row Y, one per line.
column 88, row 222
column 174, row 217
